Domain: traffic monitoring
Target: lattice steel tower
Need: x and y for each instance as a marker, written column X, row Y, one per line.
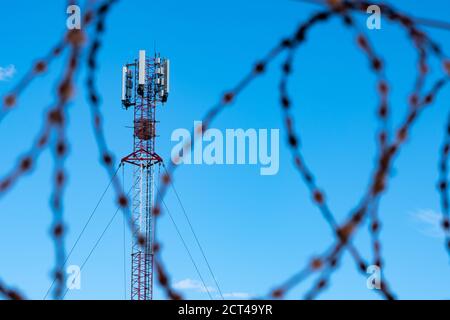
column 145, row 86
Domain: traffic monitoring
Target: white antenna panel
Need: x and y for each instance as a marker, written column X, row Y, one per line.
column 142, row 67
column 167, row 75
column 124, row 79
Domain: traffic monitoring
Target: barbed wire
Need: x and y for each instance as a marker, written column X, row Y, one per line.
column 443, row 185
column 388, row 148
column 383, row 114
column 389, row 140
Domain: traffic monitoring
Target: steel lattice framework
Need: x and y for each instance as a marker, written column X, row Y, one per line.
column 150, row 91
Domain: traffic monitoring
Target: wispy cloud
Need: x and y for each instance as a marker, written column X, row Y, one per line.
column 428, row 223
column 197, row 286
column 6, row 73
column 238, row 295
column 190, row 284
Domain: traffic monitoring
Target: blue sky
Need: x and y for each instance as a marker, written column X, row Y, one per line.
column 256, row 230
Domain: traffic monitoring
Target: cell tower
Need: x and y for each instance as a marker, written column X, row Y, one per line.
column 145, row 86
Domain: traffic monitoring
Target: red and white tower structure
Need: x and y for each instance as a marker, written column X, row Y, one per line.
column 145, row 87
